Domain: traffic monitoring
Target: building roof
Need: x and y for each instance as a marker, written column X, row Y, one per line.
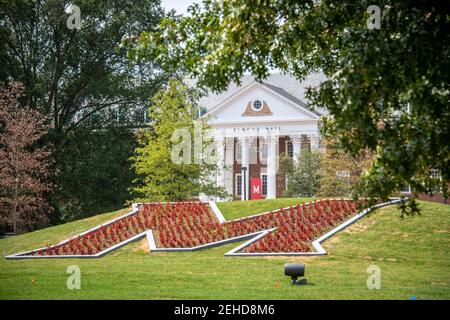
column 286, row 85
column 289, row 96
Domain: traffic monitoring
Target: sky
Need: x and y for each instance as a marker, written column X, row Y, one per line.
column 179, row 5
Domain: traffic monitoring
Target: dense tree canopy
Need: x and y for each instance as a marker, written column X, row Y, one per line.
column 78, row 77
column 95, row 174
column 76, row 71
column 387, row 88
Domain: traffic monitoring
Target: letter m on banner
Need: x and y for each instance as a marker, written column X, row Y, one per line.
column 256, row 189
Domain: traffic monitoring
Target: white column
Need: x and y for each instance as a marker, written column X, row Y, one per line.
column 229, row 161
column 272, row 166
column 314, row 140
column 296, row 146
column 245, row 143
column 220, row 162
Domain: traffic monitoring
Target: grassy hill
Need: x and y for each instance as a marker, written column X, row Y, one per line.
column 413, row 254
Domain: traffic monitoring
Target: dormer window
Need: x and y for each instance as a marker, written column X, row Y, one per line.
column 257, row 105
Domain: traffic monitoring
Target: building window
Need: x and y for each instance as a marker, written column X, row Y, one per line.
column 405, row 189
column 139, row 116
column 238, row 152
column 343, row 174
column 114, row 113
column 264, row 184
column 263, row 150
column 435, row 174
column 238, row 184
column 201, row 111
column 95, row 118
column 305, row 143
column 121, row 116
column 257, row 105
column 289, row 149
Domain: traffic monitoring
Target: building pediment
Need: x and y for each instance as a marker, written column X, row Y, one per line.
column 260, row 102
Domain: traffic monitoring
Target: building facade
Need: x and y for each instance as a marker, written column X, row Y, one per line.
column 254, row 125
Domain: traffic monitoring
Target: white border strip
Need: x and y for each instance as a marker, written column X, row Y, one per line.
column 134, row 209
column 85, row 256
column 316, row 244
column 251, row 237
column 23, row 255
column 217, row 212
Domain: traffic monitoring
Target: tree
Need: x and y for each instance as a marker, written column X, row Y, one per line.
column 80, row 78
column 73, row 73
column 387, row 89
column 341, row 173
column 165, row 174
column 304, row 180
column 25, row 167
column 95, row 174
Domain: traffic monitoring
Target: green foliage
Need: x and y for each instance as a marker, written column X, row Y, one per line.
column 95, row 172
column 387, row 90
column 160, row 177
column 83, row 82
column 304, row 180
column 73, row 74
column 341, row 173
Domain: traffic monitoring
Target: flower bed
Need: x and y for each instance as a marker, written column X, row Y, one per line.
column 190, row 224
column 299, row 225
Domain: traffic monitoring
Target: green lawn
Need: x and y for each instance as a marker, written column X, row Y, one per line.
column 413, row 254
column 238, row 209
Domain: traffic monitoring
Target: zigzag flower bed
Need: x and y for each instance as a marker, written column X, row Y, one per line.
column 298, row 226
column 190, row 224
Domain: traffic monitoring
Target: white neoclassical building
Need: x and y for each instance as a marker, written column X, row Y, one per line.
column 256, row 123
